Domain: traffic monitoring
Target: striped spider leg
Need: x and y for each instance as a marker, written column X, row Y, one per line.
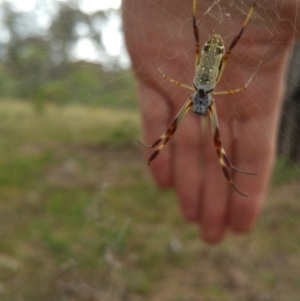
column 225, row 163
column 209, row 67
column 164, row 138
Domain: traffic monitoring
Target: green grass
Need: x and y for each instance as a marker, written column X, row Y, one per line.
column 285, row 171
column 80, row 219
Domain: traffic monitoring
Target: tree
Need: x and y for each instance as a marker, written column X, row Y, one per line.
column 289, row 134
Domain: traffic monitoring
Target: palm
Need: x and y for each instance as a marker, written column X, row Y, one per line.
column 247, row 119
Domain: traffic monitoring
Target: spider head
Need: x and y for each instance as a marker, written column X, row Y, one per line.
column 201, row 102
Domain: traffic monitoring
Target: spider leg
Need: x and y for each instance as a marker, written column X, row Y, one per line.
column 223, row 159
column 196, row 35
column 235, row 40
column 164, row 138
column 173, row 81
column 232, row 91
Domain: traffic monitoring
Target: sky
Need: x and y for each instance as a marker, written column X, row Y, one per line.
column 88, row 6
column 85, row 49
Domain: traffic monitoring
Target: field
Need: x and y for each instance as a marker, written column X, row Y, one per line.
column 81, row 220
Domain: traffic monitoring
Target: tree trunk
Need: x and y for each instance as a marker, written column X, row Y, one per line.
column 289, row 131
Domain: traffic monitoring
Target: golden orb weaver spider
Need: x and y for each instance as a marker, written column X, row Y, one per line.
column 209, row 67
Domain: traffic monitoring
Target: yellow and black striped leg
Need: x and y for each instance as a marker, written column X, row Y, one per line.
column 223, row 159
column 173, row 81
column 196, row 34
column 235, row 40
column 233, row 91
column 164, row 139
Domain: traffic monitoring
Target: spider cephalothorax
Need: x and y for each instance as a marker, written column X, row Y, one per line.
column 201, row 102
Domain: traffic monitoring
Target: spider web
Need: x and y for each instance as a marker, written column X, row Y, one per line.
column 180, row 56
column 98, row 131
column 213, row 17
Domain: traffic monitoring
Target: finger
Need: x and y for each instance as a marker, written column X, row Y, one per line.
column 255, row 156
column 187, row 178
column 216, row 191
column 155, row 121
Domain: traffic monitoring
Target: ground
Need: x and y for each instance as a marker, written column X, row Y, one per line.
column 81, row 219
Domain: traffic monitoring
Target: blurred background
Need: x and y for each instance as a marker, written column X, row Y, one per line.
column 64, row 52
column 80, row 218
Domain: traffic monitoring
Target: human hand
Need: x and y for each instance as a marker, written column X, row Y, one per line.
column 248, row 120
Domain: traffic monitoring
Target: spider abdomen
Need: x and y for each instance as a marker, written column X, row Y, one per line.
column 208, row 68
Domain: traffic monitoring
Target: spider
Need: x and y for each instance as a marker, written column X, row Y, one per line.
column 209, row 67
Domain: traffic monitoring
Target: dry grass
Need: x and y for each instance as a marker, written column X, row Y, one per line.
column 81, row 220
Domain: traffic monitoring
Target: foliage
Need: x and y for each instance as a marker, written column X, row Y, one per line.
column 39, row 67
column 285, row 171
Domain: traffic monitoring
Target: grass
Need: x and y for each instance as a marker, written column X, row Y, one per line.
column 80, row 219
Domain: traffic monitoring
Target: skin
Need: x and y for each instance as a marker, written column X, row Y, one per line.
column 162, row 30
